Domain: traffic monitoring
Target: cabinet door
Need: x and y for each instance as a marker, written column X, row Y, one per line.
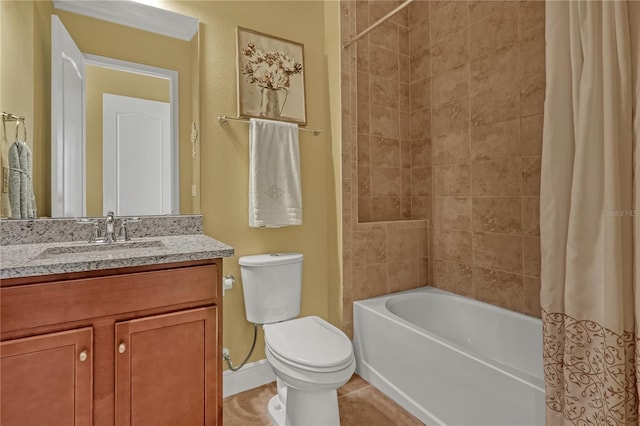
column 47, row 379
column 167, row 369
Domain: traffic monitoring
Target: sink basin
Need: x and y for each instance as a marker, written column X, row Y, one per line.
column 100, row 249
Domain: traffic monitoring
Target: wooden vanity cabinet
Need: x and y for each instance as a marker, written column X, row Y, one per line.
column 133, row 346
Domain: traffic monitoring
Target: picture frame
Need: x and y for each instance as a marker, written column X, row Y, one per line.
column 270, row 77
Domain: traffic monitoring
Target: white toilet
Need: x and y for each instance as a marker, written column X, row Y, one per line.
column 310, row 357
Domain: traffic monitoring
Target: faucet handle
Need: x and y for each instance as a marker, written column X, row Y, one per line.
column 95, row 229
column 125, row 229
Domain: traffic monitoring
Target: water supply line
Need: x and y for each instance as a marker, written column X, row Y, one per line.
column 227, row 357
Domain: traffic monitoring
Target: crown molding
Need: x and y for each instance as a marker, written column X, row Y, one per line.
column 136, row 15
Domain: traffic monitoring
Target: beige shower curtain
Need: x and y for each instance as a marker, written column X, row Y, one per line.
column 590, row 213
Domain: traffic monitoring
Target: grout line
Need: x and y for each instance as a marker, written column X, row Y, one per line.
column 473, row 261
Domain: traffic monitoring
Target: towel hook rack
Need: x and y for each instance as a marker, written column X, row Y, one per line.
column 222, row 119
column 24, row 128
column 6, row 116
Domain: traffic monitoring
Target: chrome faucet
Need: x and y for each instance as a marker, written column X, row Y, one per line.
column 109, row 228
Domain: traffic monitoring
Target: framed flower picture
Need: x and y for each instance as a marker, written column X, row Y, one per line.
column 270, row 77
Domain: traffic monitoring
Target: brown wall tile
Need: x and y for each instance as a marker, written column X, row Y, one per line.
column 498, row 251
column 493, row 32
column 450, row 53
column 531, row 175
column 532, row 55
column 364, row 182
column 420, row 153
column 386, row 208
column 369, row 247
column 454, row 277
column 379, row 8
column 419, row 67
column 402, row 275
column 401, row 243
column 420, row 207
column 531, row 18
column 421, row 124
column 451, row 84
column 448, row 19
column 497, row 177
column 532, row 95
column 452, row 212
column 385, row 182
column 386, row 35
column 451, row 179
column 420, row 94
column 363, row 87
column 385, row 152
column 404, row 68
column 421, row 181
column 383, row 62
column 419, row 39
column 450, row 116
column 499, row 288
column 531, row 136
column 497, row 140
column 418, row 13
column 531, row 216
column 384, row 122
column 451, row 148
column 369, row 281
column 497, row 214
column 452, row 245
column 404, row 98
column 384, row 92
column 532, row 297
column 481, row 9
column 532, row 256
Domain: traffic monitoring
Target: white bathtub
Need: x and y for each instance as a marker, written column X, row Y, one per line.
column 450, row 360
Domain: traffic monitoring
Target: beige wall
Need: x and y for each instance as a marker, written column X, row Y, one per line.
column 25, row 89
column 100, row 80
column 224, row 149
column 476, row 75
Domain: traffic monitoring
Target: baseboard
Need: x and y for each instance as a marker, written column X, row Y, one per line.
column 248, row 377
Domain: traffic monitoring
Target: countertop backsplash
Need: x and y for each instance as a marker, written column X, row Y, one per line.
column 58, row 230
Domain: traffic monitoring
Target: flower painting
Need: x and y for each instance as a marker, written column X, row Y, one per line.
column 270, row 77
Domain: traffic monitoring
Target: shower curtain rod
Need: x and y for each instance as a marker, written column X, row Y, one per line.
column 377, row 23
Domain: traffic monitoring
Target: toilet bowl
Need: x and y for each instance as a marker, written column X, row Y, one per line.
column 310, row 357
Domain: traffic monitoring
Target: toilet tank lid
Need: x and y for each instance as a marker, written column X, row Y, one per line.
column 270, row 259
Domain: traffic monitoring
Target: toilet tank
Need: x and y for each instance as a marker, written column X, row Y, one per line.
column 272, row 285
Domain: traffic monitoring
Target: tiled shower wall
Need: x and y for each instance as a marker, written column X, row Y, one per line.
column 488, row 79
column 394, row 163
column 383, row 256
column 476, row 93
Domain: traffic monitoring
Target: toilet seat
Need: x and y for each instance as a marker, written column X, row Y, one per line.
column 310, row 344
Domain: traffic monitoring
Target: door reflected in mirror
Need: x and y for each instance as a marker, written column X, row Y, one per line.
column 122, row 152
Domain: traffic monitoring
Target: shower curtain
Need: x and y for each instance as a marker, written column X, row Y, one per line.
column 590, row 213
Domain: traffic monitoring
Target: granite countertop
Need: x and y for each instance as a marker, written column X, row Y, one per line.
column 46, row 258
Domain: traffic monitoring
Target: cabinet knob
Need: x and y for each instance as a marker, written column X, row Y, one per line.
column 122, row 347
column 83, row 356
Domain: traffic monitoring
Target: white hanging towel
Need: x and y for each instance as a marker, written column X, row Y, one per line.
column 275, row 195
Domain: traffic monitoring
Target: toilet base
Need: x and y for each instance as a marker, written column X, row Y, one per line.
column 276, row 411
column 305, row 408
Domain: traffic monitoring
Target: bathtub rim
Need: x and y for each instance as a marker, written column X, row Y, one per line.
column 378, row 306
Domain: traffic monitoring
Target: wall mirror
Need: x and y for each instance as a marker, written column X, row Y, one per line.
column 124, row 108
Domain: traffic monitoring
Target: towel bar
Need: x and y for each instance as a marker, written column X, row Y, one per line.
column 223, row 119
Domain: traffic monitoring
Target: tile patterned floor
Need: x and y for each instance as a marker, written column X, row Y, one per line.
column 360, row 404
